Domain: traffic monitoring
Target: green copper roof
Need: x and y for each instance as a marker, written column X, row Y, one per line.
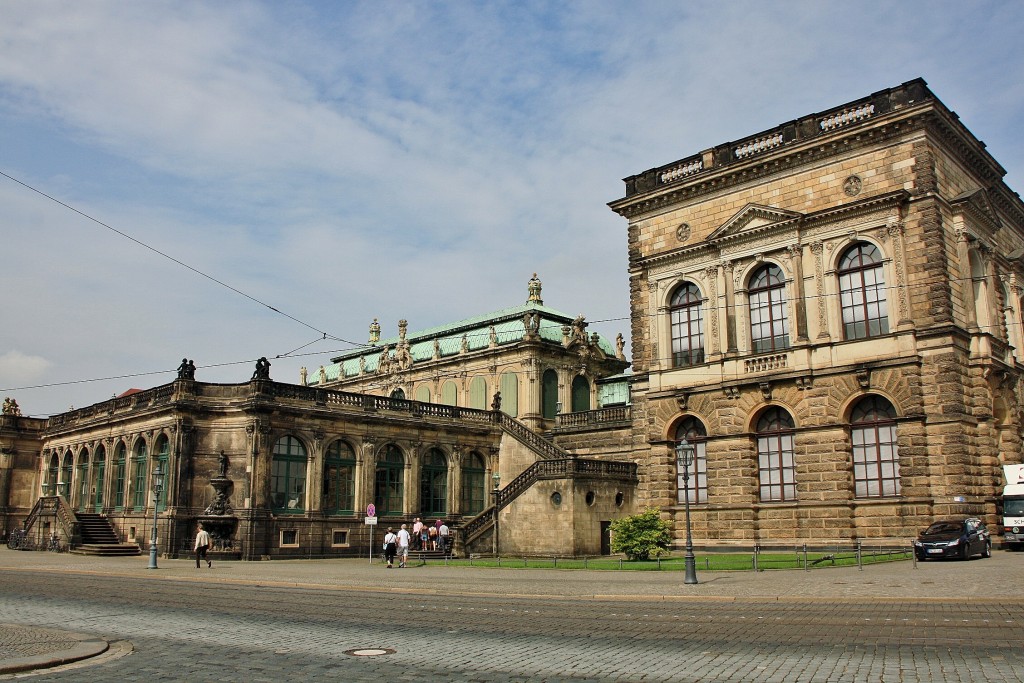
column 508, row 329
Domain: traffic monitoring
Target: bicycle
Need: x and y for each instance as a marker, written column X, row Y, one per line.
column 17, row 539
column 54, row 545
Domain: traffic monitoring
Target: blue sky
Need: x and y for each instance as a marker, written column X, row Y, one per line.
column 342, row 161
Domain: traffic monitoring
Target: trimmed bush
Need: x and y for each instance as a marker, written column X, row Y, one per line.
column 640, row 536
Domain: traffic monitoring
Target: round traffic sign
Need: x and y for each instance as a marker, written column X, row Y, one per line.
column 371, row 510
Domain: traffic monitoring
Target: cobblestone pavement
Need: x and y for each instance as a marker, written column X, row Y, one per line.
column 274, row 621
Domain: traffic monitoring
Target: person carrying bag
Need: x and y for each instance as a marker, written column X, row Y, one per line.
column 390, row 546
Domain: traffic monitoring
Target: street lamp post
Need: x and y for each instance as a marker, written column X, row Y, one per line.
column 158, row 486
column 494, row 537
column 684, row 458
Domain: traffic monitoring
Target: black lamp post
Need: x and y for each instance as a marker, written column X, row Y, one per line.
column 158, row 486
column 497, row 479
column 684, row 458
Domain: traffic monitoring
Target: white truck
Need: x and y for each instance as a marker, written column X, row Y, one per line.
column 1013, row 507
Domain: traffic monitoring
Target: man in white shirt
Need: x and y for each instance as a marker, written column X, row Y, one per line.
column 403, row 546
column 443, row 538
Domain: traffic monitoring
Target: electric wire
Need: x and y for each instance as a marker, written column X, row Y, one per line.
column 175, row 260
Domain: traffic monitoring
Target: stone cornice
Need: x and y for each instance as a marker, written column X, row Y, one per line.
column 799, row 223
column 874, row 120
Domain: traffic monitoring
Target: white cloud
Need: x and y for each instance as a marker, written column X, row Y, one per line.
column 339, row 163
column 17, row 368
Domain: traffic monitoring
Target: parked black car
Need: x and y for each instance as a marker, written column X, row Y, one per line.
column 960, row 538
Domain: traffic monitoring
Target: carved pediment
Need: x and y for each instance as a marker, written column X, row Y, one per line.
column 978, row 205
column 750, row 218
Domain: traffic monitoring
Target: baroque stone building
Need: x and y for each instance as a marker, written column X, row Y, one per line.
column 830, row 311
column 284, row 470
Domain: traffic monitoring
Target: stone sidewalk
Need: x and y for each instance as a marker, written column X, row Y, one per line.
column 993, row 580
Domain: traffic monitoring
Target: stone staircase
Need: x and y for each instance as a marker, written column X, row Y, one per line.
column 99, row 538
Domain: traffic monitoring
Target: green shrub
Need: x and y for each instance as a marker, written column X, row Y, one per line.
column 640, row 536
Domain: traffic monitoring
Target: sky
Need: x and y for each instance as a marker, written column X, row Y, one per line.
column 228, row 180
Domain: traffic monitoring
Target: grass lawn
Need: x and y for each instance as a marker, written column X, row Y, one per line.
column 704, row 561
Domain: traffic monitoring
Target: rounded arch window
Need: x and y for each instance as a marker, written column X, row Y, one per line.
column 120, row 475
column 580, row 394
column 288, row 475
column 388, row 485
column 590, row 498
column 775, row 456
column 474, row 484
column 686, row 316
column 696, row 489
column 556, row 498
column 398, row 393
column 434, row 483
column 549, row 394
column 876, row 464
column 82, row 489
column 339, row 477
column 769, row 325
column 862, row 293
column 140, row 471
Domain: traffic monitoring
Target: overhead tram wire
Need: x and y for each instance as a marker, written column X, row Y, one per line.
column 177, row 261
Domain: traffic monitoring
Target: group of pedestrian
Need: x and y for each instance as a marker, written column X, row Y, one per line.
column 422, row 537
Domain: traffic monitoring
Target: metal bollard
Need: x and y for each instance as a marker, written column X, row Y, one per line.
column 805, row 558
column 860, row 563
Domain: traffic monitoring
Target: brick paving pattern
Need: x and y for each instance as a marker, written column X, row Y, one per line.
column 295, row 620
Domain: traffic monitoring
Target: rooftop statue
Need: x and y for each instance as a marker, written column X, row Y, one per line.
column 533, row 286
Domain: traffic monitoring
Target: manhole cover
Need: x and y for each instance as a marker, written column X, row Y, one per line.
column 369, row 652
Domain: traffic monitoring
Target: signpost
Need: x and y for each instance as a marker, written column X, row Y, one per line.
column 371, row 521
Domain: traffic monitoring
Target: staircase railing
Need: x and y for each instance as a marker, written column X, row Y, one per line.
column 542, row 469
column 544, row 448
column 58, row 508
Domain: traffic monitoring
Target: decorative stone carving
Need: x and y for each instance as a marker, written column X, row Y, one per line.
column 864, row 378
column 683, row 232
column 852, row 186
column 683, row 400
column 374, row 331
column 766, row 390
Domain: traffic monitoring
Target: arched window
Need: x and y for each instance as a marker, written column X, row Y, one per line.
column 694, row 432
column 549, row 394
column 687, row 319
column 162, row 455
column 83, row 480
column 509, row 387
column 876, row 463
column 339, row 478
column 99, row 469
column 580, row 394
column 288, row 476
column 862, row 292
column 387, row 488
column 478, row 393
column 775, row 460
column 66, row 470
column 769, row 326
column 449, row 394
column 52, row 476
column 434, row 483
column 398, row 393
column 422, row 393
column 139, row 471
column 474, row 486
column 120, row 475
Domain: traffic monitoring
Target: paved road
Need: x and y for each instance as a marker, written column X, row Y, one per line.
column 301, row 620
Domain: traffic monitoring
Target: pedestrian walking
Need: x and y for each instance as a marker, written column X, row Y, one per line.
column 390, row 546
column 417, row 534
column 403, row 547
column 202, row 545
column 443, row 537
